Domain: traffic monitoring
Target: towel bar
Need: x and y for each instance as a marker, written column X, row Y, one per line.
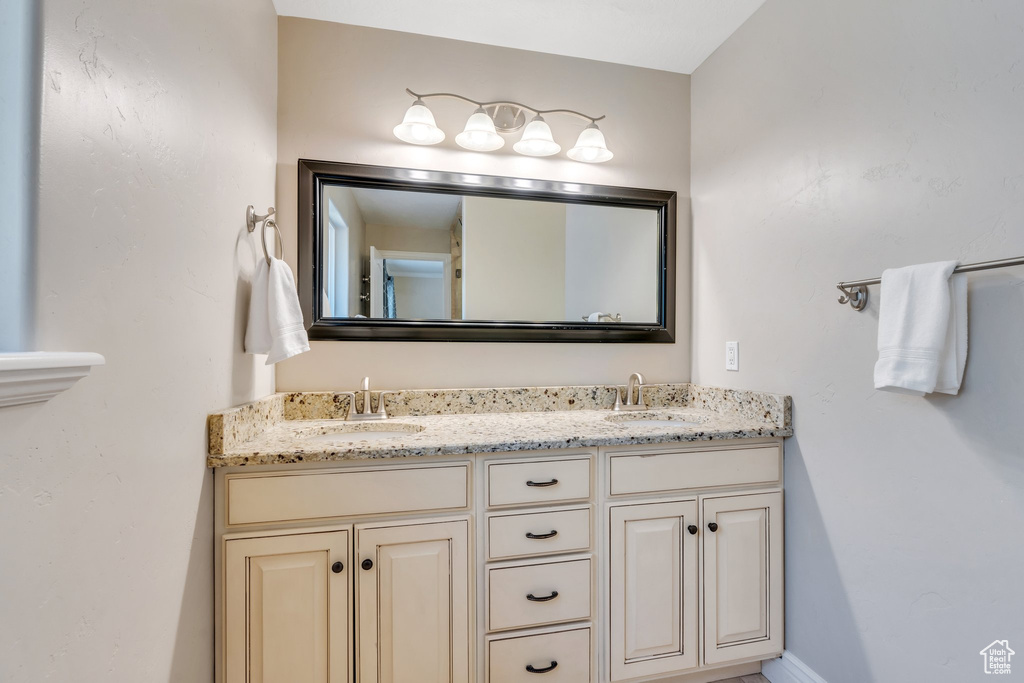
column 855, row 292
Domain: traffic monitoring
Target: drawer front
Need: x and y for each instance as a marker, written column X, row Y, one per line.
column 538, row 482
column 567, row 651
column 522, row 596
column 289, row 497
column 507, row 534
column 649, row 473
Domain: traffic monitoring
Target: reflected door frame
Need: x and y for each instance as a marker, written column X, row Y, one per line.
column 377, row 258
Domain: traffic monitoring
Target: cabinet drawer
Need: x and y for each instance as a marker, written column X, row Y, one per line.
column 507, row 534
column 287, row 497
column 538, row 482
column 670, row 471
column 522, row 596
column 567, row 651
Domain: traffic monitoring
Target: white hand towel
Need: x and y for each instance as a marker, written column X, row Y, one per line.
column 922, row 330
column 954, row 356
column 275, row 319
column 257, row 331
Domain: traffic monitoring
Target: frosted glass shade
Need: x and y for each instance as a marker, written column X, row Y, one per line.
column 418, row 127
column 537, row 140
column 479, row 134
column 590, row 146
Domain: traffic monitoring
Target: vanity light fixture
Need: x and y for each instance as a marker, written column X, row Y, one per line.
column 418, row 127
column 590, row 146
column 490, row 119
column 537, row 140
column 480, row 135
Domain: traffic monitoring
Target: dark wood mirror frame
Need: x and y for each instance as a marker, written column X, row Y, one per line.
column 313, row 175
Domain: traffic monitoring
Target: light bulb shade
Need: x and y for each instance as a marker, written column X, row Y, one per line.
column 479, row 134
column 418, row 127
column 590, row 146
column 537, row 140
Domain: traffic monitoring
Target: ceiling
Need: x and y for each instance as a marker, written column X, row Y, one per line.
column 407, row 209
column 671, row 35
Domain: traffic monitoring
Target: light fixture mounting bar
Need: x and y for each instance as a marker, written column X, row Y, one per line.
column 451, row 95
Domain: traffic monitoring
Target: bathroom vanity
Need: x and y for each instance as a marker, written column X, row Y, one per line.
column 500, row 536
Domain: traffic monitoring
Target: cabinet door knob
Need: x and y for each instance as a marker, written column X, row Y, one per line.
column 337, row 567
column 367, row 564
column 692, row 529
column 712, row 526
column 544, row 598
column 550, row 534
column 552, row 482
column 543, row 670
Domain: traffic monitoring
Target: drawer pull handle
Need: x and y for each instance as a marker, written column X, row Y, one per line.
column 550, row 534
column 712, row 526
column 692, row 529
column 337, row 567
column 544, row 670
column 542, row 483
column 533, row 598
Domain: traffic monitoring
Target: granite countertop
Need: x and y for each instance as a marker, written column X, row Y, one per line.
column 294, row 428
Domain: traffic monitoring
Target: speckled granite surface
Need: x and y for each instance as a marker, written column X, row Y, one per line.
column 232, row 428
column 297, row 427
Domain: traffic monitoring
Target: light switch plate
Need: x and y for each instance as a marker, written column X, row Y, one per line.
column 732, row 355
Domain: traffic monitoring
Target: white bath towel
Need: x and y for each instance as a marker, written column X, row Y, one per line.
column 275, row 319
column 922, row 330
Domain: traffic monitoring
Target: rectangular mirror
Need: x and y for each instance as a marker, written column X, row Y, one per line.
column 400, row 254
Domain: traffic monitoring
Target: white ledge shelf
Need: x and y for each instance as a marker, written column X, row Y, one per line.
column 35, row 377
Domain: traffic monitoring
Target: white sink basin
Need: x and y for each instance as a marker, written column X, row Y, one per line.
column 355, row 433
column 652, row 418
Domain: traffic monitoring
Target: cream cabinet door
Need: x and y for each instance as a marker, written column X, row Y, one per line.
column 654, row 589
column 743, row 584
column 287, row 610
column 413, row 602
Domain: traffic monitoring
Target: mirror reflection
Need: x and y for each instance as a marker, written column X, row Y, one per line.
column 395, row 254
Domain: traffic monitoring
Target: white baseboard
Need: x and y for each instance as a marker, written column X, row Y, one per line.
column 789, row 669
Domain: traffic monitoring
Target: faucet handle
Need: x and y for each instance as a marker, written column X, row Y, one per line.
column 365, row 386
column 381, row 410
column 351, row 403
column 618, row 398
column 640, row 397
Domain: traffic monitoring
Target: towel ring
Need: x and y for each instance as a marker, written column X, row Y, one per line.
column 270, row 222
column 252, row 219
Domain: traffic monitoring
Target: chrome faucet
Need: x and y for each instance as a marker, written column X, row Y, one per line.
column 635, row 380
column 367, row 412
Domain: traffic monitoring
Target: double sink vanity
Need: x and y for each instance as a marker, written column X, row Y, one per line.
column 527, row 535
column 542, row 535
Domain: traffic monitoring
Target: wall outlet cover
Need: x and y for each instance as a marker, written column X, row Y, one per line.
column 732, row 355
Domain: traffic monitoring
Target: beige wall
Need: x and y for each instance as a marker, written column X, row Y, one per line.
column 832, row 140
column 158, row 129
column 513, row 259
column 398, row 238
column 342, row 90
column 420, row 297
column 611, row 262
